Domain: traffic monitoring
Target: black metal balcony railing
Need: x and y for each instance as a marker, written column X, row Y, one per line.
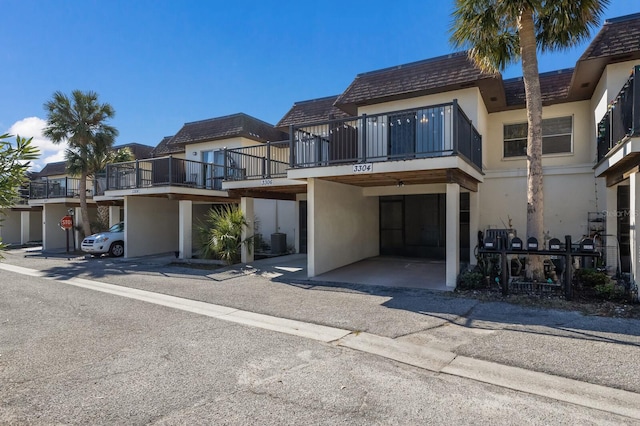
column 66, row 187
column 165, row 171
column 432, row 131
column 622, row 120
column 259, row 161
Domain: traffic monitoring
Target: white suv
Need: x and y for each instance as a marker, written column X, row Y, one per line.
column 111, row 241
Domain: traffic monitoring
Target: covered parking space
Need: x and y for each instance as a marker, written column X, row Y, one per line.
column 386, row 271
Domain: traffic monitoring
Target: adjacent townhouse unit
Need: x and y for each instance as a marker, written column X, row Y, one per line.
column 21, row 223
column 55, row 193
column 414, row 160
column 167, row 194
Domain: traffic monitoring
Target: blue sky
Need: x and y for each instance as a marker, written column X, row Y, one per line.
column 163, row 63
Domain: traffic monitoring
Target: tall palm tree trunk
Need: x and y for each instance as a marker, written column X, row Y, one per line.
column 535, row 201
column 84, row 210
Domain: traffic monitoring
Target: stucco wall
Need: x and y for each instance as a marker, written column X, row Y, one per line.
column 10, row 226
column 612, row 80
column 568, row 197
column 53, row 236
column 276, row 216
column 583, row 137
column 151, row 225
column 197, row 148
column 35, row 225
column 342, row 224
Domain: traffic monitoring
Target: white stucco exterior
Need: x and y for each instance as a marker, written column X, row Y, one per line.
column 151, row 226
column 342, row 225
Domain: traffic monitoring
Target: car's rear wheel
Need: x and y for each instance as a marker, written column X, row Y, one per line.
column 116, row 249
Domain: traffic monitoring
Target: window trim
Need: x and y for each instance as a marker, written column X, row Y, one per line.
column 554, row 154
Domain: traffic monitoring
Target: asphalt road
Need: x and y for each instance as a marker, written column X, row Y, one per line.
column 74, row 356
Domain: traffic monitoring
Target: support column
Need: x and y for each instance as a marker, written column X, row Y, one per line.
column 114, row 215
column 311, row 227
column 25, row 227
column 474, row 224
column 453, row 234
column 185, row 237
column 246, row 205
column 634, row 210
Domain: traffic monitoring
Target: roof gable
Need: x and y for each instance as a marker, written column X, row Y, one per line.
column 310, row 111
column 236, row 125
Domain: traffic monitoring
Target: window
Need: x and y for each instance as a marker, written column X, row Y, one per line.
column 557, row 134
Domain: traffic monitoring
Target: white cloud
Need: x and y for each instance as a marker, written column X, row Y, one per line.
column 31, row 127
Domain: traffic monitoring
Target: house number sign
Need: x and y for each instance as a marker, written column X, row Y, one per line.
column 363, row 168
column 266, row 182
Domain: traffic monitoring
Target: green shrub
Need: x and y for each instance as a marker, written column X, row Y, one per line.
column 590, row 278
column 610, row 291
column 470, row 280
column 220, row 234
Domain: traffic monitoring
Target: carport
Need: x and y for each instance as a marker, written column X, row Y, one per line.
column 385, row 271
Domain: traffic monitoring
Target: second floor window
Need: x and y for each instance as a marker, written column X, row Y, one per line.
column 557, row 137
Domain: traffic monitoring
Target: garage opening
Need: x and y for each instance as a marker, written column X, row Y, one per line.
column 415, row 226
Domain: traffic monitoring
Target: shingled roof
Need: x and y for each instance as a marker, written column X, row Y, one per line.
column 310, row 111
column 165, row 148
column 439, row 74
column 554, row 86
column 53, row 169
column 618, row 36
column 138, row 150
column 241, row 124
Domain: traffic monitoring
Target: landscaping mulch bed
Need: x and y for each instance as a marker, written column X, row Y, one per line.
column 581, row 303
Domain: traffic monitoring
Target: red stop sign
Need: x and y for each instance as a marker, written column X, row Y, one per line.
column 67, row 222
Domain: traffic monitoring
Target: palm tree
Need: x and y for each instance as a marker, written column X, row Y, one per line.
column 94, row 159
column 501, row 32
column 220, row 233
column 80, row 121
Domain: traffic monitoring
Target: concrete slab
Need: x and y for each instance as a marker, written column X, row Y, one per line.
column 391, row 272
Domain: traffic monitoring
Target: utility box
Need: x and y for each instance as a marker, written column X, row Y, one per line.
column 278, row 243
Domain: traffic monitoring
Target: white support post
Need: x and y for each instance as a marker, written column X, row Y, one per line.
column 453, row 234
column 634, row 210
column 246, row 205
column 185, row 237
column 114, row 215
column 25, row 227
column 474, row 224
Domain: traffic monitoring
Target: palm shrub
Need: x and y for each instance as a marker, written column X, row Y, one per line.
column 220, row 233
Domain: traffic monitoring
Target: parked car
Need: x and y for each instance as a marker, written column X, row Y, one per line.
column 111, row 241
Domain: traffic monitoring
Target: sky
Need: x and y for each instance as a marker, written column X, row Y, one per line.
column 163, row 63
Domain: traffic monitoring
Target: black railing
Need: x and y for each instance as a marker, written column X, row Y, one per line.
column 258, row 162
column 622, row 120
column 66, row 187
column 99, row 183
column 431, row 131
column 166, row 171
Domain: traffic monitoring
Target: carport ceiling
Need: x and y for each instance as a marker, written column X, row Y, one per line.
column 413, row 177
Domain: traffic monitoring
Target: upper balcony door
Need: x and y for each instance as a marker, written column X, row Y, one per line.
column 213, row 176
column 422, row 133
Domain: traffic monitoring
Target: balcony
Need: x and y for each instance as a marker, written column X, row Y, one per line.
column 622, row 120
column 66, row 187
column 165, row 171
column 270, row 160
column 427, row 132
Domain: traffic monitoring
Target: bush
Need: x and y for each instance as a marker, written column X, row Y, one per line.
column 610, row 291
column 470, row 280
column 220, row 234
column 590, row 278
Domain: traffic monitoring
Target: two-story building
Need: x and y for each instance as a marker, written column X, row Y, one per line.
column 55, row 193
column 166, row 195
column 414, row 160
